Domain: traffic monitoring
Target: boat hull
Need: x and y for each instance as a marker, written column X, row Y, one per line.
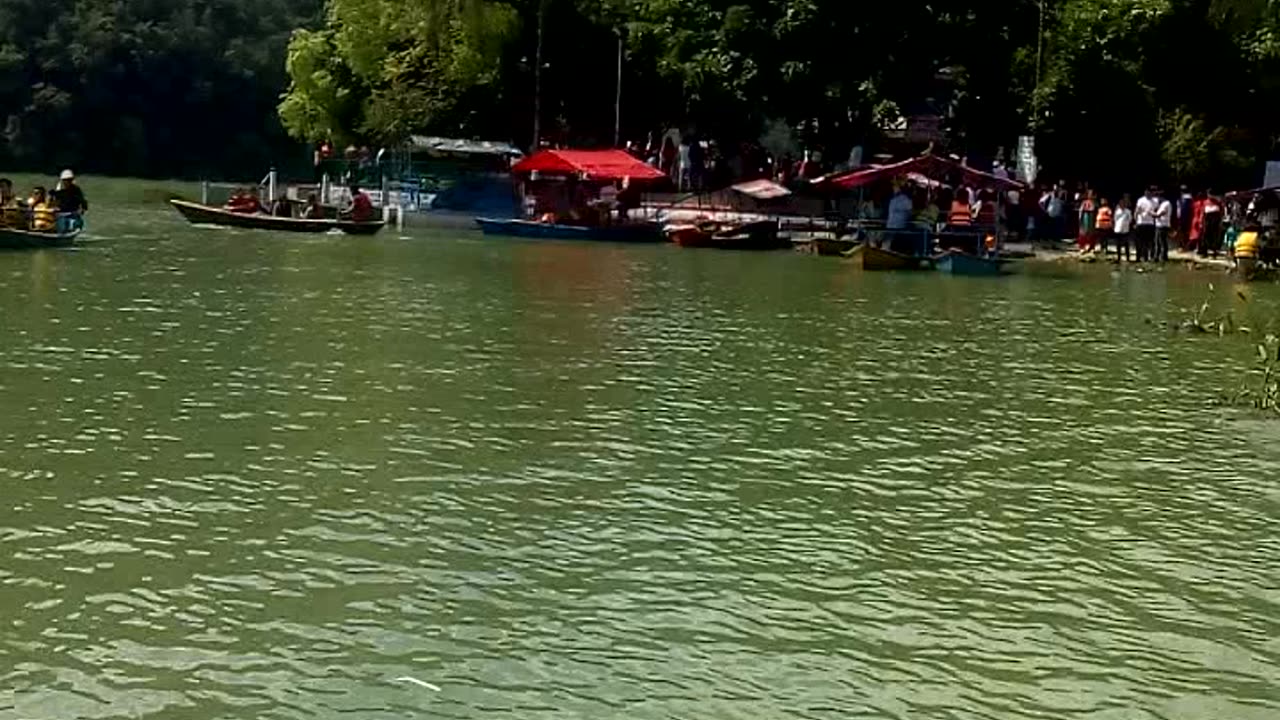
column 761, row 235
column 630, row 233
column 198, row 214
column 958, row 263
column 828, row 247
column 877, row 259
column 27, row 239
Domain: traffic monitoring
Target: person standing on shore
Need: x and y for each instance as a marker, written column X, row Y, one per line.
column 1164, row 224
column 1106, row 223
column 1053, row 203
column 1086, row 220
column 1185, row 213
column 1211, row 235
column 1123, row 227
column 1144, row 216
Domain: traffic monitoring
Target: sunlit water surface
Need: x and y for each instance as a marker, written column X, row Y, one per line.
column 425, row 475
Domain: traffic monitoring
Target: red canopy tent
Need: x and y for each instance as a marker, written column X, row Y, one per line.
column 931, row 166
column 597, row 165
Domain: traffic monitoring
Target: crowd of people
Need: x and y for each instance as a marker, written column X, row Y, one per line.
column 58, row 211
column 1144, row 230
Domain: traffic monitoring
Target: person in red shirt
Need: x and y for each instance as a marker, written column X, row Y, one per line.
column 361, row 206
column 1195, row 234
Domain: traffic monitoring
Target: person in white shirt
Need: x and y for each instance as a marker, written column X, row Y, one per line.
column 1054, row 203
column 1144, row 216
column 1164, row 223
column 1123, row 228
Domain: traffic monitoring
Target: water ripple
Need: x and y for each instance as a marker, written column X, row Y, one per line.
column 259, row 476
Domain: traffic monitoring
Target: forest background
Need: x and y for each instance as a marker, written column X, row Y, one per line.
column 1127, row 90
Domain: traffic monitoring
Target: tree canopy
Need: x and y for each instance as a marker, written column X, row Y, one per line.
column 155, row 87
column 1127, row 88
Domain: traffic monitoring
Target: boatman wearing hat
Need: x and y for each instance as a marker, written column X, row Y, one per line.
column 70, row 202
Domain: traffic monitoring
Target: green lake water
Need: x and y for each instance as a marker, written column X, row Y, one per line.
column 434, row 475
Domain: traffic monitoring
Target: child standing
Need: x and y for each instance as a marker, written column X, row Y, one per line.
column 1106, row 223
column 1123, row 222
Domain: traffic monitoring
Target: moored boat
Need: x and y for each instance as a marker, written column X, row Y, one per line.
column 954, row 262
column 14, row 239
column 870, row 257
column 829, row 247
column 689, row 234
column 623, row 233
column 757, row 235
column 198, row 214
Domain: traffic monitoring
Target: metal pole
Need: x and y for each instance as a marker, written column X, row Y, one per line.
column 617, row 100
column 537, row 79
column 1035, row 98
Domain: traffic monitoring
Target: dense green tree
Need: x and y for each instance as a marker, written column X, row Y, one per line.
column 171, row 87
column 381, row 69
column 1123, row 89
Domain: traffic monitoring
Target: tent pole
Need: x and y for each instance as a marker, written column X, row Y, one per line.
column 537, row 80
column 617, row 98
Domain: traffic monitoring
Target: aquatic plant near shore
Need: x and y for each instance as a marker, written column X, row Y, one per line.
column 1199, row 322
column 1265, row 394
column 1261, row 387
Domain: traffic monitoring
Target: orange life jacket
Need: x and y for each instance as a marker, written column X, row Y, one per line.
column 1106, row 220
column 960, row 214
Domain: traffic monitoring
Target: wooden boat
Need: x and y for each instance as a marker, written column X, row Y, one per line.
column 689, row 235
column 624, row 233
column 954, row 262
column 13, row 239
column 198, row 214
column 758, row 235
column 830, row 247
column 877, row 259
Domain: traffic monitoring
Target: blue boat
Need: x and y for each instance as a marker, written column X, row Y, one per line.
column 957, row 263
column 628, row 233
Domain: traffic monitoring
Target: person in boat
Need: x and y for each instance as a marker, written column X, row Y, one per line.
column 70, row 202
column 246, row 202
column 898, row 221
column 961, row 213
column 314, row 210
column 985, row 210
column 361, row 208
column 628, row 199
column 281, row 207
column 11, row 215
column 930, row 214
column 44, row 216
